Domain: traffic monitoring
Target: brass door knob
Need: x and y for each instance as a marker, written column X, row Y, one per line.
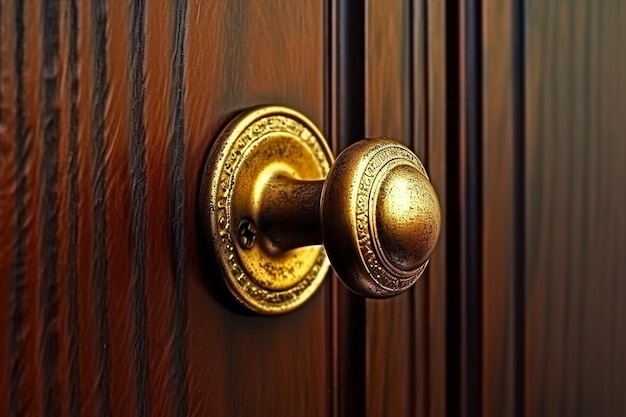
column 273, row 204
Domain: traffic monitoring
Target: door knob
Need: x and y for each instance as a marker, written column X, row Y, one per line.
column 275, row 209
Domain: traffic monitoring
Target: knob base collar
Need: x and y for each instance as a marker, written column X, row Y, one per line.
column 257, row 149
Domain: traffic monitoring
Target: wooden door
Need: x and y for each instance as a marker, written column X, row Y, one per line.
column 108, row 298
column 108, row 302
column 109, row 109
column 539, row 207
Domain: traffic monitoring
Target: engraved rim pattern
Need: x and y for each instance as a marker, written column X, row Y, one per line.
column 374, row 259
column 228, row 153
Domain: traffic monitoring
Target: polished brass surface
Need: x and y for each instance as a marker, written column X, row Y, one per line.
column 380, row 217
column 255, row 152
column 270, row 200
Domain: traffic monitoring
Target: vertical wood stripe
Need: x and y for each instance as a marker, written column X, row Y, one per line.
column 390, row 324
column 519, row 205
column 177, row 131
column 159, row 258
column 452, row 36
column 138, row 203
column 50, row 122
column 418, row 125
column 16, row 341
column 346, row 120
column 73, row 213
column 99, row 259
column 88, row 364
column 498, row 234
column 464, row 205
column 433, row 129
column 7, row 143
column 119, row 211
column 472, row 183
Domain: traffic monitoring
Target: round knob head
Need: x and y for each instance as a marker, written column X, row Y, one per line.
column 380, row 217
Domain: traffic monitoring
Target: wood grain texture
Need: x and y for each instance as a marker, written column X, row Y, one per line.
column 391, row 330
column 498, row 232
column 7, row 184
column 285, row 65
column 430, row 140
column 535, row 144
column 575, row 208
column 345, row 51
column 465, row 204
column 109, row 305
column 486, row 191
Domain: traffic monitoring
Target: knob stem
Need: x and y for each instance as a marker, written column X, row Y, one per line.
column 289, row 215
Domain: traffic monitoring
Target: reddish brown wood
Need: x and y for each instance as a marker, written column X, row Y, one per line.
column 285, row 65
column 63, row 271
column 120, row 252
column 235, row 55
column 158, row 87
column 29, row 269
column 7, row 214
column 83, row 216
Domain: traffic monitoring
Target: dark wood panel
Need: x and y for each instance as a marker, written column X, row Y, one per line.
column 344, row 125
column 110, row 306
column 484, row 193
column 498, row 234
column 575, row 208
column 465, row 205
column 68, row 132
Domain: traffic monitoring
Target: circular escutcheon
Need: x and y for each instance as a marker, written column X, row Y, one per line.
column 257, row 145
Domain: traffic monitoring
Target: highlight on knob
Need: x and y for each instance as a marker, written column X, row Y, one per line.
column 277, row 211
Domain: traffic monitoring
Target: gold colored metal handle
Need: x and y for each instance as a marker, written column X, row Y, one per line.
column 376, row 214
column 273, row 207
